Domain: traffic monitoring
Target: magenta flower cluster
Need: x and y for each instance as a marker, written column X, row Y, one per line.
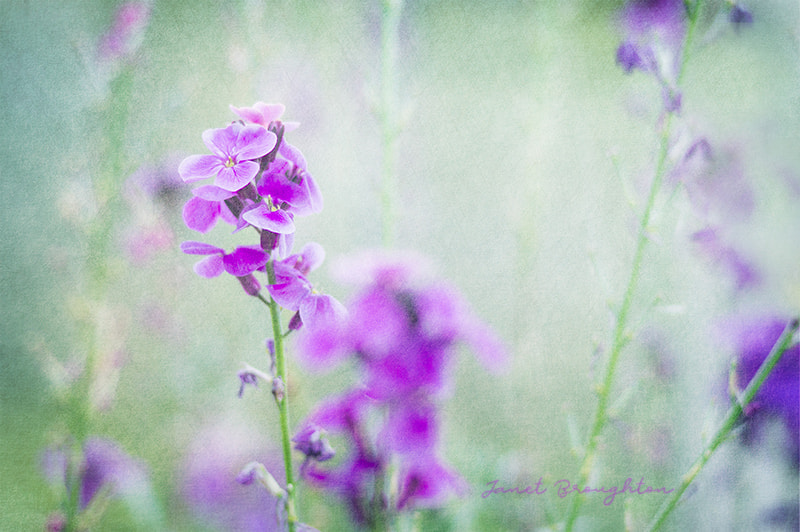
column 402, row 331
column 260, row 182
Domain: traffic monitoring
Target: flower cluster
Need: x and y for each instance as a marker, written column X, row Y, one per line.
column 654, row 33
column 262, row 182
column 403, row 331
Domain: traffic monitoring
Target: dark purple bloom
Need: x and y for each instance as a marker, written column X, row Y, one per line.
column 235, row 150
column 629, row 58
column 752, row 338
column 654, row 31
column 312, row 442
column 246, row 378
column 740, row 16
column 105, row 466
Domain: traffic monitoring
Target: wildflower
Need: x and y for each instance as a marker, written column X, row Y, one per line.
column 241, row 263
column 427, row 483
column 293, row 291
column 312, row 442
column 211, row 480
column 105, row 466
column 654, row 31
column 752, row 338
column 235, row 149
column 403, row 328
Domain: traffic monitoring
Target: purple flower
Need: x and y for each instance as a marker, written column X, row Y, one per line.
column 654, row 31
column 629, row 58
column 206, row 207
column 740, row 16
column 263, row 114
column 293, row 291
column 105, row 465
column 287, row 183
column 711, row 245
column 312, row 442
column 241, row 263
column 427, row 484
column 752, row 338
column 403, row 327
column 235, row 149
column 209, row 484
column 124, row 35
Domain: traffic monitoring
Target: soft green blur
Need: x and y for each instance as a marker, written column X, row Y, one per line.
column 523, row 146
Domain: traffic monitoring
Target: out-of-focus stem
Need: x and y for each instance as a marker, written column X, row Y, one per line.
column 732, row 417
column 620, row 337
column 390, row 21
column 283, row 402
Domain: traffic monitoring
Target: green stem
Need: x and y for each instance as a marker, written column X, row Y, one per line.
column 390, row 18
column 283, row 403
column 620, row 338
column 730, row 421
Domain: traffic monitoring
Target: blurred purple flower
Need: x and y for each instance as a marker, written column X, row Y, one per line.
column 105, row 465
column 752, row 338
column 209, row 479
column 712, row 246
column 232, row 164
column 124, row 36
column 740, row 16
column 427, row 484
column 654, row 31
column 404, row 329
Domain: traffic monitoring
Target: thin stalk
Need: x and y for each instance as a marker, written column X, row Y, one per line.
column 730, row 421
column 283, row 403
column 390, row 22
column 620, row 338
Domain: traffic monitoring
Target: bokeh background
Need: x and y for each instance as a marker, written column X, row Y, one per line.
column 523, row 162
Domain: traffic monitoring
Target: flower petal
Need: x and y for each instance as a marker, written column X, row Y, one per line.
column 262, row 217
column 197, row 167
column 212, row 193
column 245, row 260
column 201, row 215
column 193, row 247
column 222, row 141
column 236, row 177
column 254, row 141
column 209, row 267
